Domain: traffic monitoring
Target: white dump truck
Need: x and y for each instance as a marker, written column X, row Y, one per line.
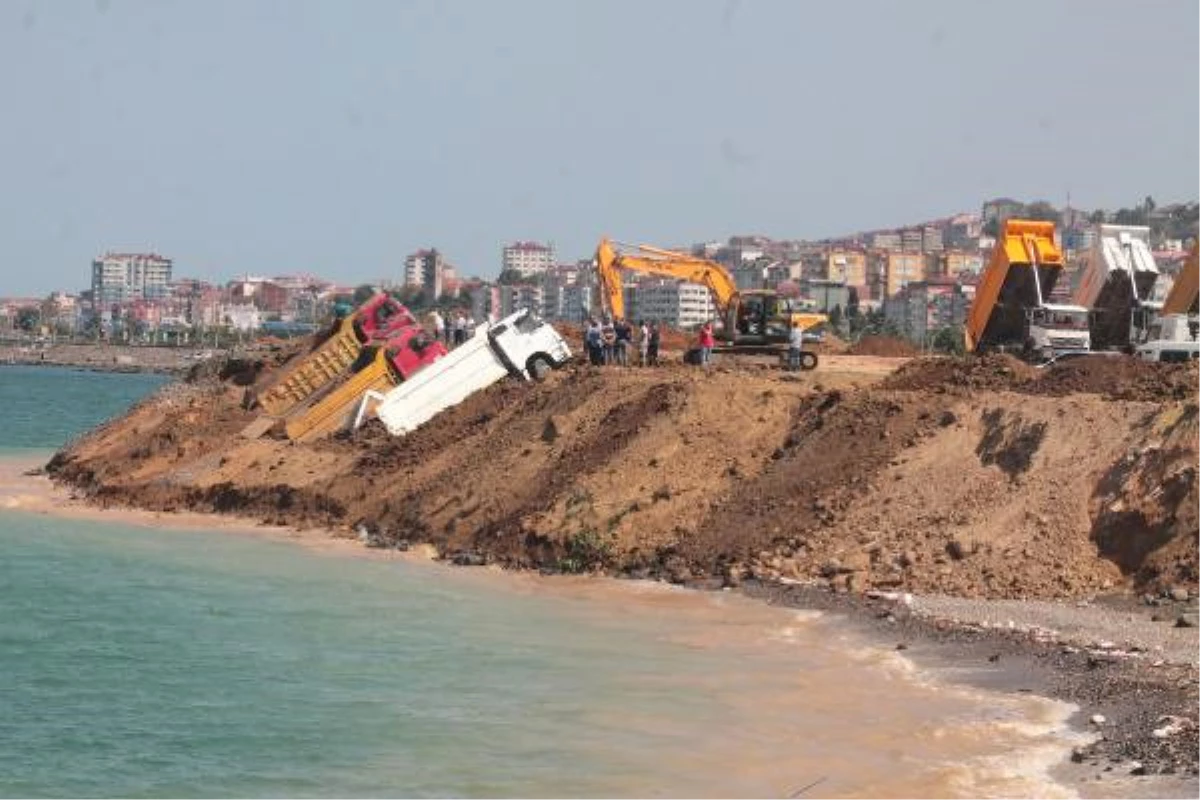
column 1117, row 282
column 520, row 345
column 1175, row 334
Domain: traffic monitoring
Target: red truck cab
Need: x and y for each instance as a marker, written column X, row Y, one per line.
column 380, row 318
column 411, row 349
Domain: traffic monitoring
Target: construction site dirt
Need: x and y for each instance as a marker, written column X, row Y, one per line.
column 871, row 477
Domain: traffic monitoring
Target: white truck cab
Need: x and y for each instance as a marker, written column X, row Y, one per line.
column 1172, row 337
column 518, row 345
column 1054, row 329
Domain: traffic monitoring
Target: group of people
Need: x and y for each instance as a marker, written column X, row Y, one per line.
column 452, row 332
column 609, row 341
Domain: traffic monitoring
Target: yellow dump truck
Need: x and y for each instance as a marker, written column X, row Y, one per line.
column 381, row 368
column 1010, row 312
column 314, row 371
column 377, row 320
column 334, row 411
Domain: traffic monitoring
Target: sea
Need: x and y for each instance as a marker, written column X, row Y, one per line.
column 143, row 659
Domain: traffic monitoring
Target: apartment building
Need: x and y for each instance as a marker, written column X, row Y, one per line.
column 123, row 277
column 512, row 298
column 889, row 271
column 673, row 303
column 426, row 269
column 952, row 263
column 847, row 266
column 923, row 307
column 528, row 258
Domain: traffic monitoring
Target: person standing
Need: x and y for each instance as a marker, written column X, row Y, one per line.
column 460, row 329
column 795, row 346
column 608, row 338
column 592, row 340
column 439, row 326
column 644, row 343
column 705, row 342
column 624, row 337
column 652, row 348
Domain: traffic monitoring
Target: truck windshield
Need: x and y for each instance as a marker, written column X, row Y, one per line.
column 528, row 323
column 1061, row 319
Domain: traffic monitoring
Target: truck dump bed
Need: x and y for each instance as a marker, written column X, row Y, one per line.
column 470, row 367
column 1184, row 297
column 335, row 411
column 1011, row 283
column 314, row 371
column 1118, row 277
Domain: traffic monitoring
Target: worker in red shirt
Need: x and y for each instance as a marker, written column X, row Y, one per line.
column 705, row 343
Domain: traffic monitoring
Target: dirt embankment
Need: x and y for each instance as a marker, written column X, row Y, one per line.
column 974, row 477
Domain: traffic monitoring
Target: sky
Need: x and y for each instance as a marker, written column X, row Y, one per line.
column 262, row 137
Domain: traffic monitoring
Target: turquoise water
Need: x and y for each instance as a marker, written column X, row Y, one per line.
column 44, row 406
column 144, row 661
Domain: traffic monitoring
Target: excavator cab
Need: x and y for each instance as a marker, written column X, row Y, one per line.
column 765, row 317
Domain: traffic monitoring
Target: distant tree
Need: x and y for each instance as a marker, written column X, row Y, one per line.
column 1096, row 217
column 510, row 277
column 1148, row 204
column 948, row 340
column 835, row 317
column 27, row 318
column 1041, row 210
column 1130, row 216
column 363, row 293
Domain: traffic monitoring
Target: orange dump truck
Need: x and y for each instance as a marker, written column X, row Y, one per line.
column 1010, row 312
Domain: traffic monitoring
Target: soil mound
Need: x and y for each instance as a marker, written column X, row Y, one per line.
column 888, row 346
column 1112, row 377
column 971, row 374
column 1120, row 378
column 975, row 477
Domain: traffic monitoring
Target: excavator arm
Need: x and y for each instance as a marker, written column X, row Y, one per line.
column 1184, row 296
column 653, row 261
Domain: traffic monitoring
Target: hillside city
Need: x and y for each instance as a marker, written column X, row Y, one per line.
column 915, row 282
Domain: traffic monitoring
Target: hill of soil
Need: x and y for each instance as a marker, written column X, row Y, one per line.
column 978, row 477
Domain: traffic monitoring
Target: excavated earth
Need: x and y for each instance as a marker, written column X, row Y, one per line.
column 970, row 477
column 868, row 478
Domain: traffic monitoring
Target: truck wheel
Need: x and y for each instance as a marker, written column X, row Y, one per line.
column 539, row 367
column 808, row 360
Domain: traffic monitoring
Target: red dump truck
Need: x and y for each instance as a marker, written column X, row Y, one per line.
column 375, row 321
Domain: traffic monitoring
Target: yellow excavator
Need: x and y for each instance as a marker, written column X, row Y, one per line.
column 759, row 319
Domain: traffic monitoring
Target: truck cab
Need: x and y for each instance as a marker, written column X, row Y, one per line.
column 1172, row 338
column 527, row 345
column 380, row 317
column 1054, row 329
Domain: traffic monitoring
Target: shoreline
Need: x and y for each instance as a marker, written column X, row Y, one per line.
column 1131, row 688
column 108, row 358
